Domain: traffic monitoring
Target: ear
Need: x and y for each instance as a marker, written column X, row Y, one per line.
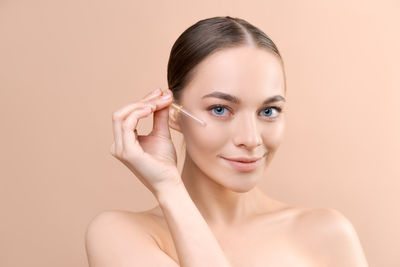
column 173, row 121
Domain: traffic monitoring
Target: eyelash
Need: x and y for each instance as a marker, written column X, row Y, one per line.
column 278, row 109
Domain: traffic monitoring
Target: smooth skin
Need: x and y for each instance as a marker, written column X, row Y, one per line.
column 212, row 214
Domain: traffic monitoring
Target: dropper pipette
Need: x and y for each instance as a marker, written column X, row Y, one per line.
column 180, row 108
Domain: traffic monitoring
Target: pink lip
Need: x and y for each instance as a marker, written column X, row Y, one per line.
column 243, row 166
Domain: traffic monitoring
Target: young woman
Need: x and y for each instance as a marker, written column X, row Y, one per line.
column 230, row 75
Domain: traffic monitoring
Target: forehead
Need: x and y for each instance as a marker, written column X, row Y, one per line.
column 240, row 71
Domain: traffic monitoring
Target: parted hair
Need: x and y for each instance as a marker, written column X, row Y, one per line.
column 208, row 36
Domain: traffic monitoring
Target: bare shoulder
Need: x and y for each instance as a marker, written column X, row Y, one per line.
column 330, row 236
column 120, row 238
column 328, row 218
column 117, row 221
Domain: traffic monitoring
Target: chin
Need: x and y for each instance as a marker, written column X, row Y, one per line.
column 242, row 186
column 242, row 189
column 239, row 182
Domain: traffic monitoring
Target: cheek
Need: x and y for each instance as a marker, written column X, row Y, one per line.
column 272, row 136
column 205, row 140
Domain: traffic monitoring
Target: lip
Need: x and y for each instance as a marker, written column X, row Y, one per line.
column 243, row 159
column 243, row 164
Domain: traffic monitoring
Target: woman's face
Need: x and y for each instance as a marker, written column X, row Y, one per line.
column 228, row 92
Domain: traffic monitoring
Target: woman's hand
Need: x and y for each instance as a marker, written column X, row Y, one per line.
column 151, row 158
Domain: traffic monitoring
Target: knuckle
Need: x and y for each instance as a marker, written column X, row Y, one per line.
column 116, row 116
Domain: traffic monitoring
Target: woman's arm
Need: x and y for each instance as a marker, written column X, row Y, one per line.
column 153, row 160
column 194, row 241
column 115, row 238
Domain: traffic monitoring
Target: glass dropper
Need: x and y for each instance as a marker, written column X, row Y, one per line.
column 180, row 108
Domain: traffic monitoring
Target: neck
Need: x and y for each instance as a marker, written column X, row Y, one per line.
column 220, row 205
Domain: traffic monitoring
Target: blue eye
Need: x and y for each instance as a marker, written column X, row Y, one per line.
column 278, row 109
column 219, row 110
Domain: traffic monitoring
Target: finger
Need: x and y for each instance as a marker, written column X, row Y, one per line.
column 122, row 113
column 156, row 92
column 118, row 118
column 129, row 138
column 161, row 117
column 126, row 110
column 161, row 102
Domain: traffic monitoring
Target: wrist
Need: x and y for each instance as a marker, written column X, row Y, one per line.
column 165, row 192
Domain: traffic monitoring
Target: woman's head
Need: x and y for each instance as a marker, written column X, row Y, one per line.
column 222, row 70
column 208, row 36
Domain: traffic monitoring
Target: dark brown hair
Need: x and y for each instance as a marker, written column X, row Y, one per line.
column 208, row 36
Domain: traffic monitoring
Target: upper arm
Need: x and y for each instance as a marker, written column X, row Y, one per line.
column 113, row 241
column 334, row 240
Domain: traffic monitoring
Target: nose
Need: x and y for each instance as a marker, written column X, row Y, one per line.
column 247, row 134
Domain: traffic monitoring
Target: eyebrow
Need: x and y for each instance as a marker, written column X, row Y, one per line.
column 236, row 100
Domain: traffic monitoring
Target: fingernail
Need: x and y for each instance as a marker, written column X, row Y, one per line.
column 168, row 96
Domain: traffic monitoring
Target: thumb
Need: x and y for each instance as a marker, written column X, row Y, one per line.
column 161, row 123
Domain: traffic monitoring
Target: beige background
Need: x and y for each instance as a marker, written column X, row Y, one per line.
column 65, row 66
